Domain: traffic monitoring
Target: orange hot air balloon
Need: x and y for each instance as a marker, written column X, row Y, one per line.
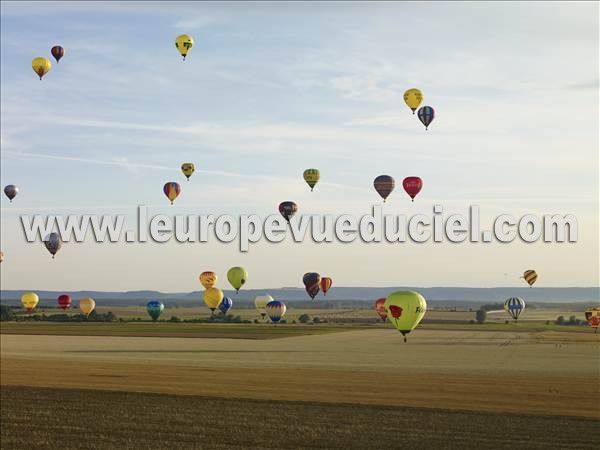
column 326, row 283
column 380, row 308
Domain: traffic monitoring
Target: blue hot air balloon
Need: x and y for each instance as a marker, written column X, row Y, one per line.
column 225, row 305
column 155, row 308
column 426, row 115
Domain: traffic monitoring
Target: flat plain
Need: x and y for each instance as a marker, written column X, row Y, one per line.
column 466, row 380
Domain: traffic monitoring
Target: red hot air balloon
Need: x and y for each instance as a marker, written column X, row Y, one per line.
column 326, row 283
column 64, row 301
column 380, row 309
column 58, row 52
column 172, row 189
column 288, row 209
column 412, row 186
column 384, row 185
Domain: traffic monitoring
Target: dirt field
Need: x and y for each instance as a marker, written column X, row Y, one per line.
column 549, row 373
column 110, row 420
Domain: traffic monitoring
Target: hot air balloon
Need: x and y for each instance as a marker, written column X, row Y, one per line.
column 184, row 44
column 11, row 191
column 413, row 98
column 426, row 115
column 380, row 308
column 64, row 301
column 237, row 277
column 58, row 52
column 1, row 256
column 530, row 276
column 41, row 66
column 208, row 279
column 412, row 186
column 405, row 309
column 312, row 281
column 188, row 169
column 225, row 305
column 312, row 177
column 260, row 302
column 288, row 210
column 384, row 185
column 326, row 283
column 29, row 300
column 514, row 306
column 53, row 243
column 275, row 310
column 154, row 308
column 87, row 305
column 592, row 316
column 172, row 190
column 212, row 298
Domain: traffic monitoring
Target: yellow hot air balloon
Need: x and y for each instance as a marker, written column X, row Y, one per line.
column 260, row 303
column 237, row 276
column 405, row 309
column 208, row 279
column 413, row 98
column 41, row 66
column 87, row 305
column 312, row 177
column 212, row 298
column 29, row 300
column 188, row 169
column 184, row 43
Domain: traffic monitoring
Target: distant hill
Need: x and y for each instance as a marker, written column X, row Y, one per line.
column 452, row 296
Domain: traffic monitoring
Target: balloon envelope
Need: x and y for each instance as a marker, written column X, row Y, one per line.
column 380, row 308
column 312, row 177
column 384, row 185
column 87, row 305
column 11, row 191
column 225, row 305
column 58, row 52
column 53, row 243
column 212, row 297
column 288, row 209
column 172, row 190
column 64, row 301
column 184, row 43
column 405, row 309
column 413, row 98
column 41, row 66
column 29, row 300
column 237, row 277
column 312, row 283
column 275, row 310
column 514, row 306
column 426, row 115
column 155, row 308
column 260, row 302
column 412, row 186
column 530, row 276
column 208, row 279
column 592, row 316
column 325, row 284
column 188, row 169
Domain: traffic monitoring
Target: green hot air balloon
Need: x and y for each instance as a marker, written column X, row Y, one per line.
column 237, row 277
column 155, row 308
column 405, row 309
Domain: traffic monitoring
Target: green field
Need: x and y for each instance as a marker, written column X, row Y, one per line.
column 61, row 418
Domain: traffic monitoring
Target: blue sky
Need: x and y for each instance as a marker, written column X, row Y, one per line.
column 271, row 89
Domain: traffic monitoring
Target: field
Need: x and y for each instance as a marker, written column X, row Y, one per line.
column 332, row 386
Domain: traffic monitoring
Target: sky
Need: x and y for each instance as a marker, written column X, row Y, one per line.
column 270, row 89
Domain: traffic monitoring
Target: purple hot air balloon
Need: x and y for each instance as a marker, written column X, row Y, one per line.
column 384, row 185
column 288, row 209
column 58, row 52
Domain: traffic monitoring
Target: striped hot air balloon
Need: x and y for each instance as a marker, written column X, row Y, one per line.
column 384, row 185
column 530, row 276
column 514, row 306
column 592, row 316
column 426, row 115
column 275, row 310
column 312, row 283
column 172, row 190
